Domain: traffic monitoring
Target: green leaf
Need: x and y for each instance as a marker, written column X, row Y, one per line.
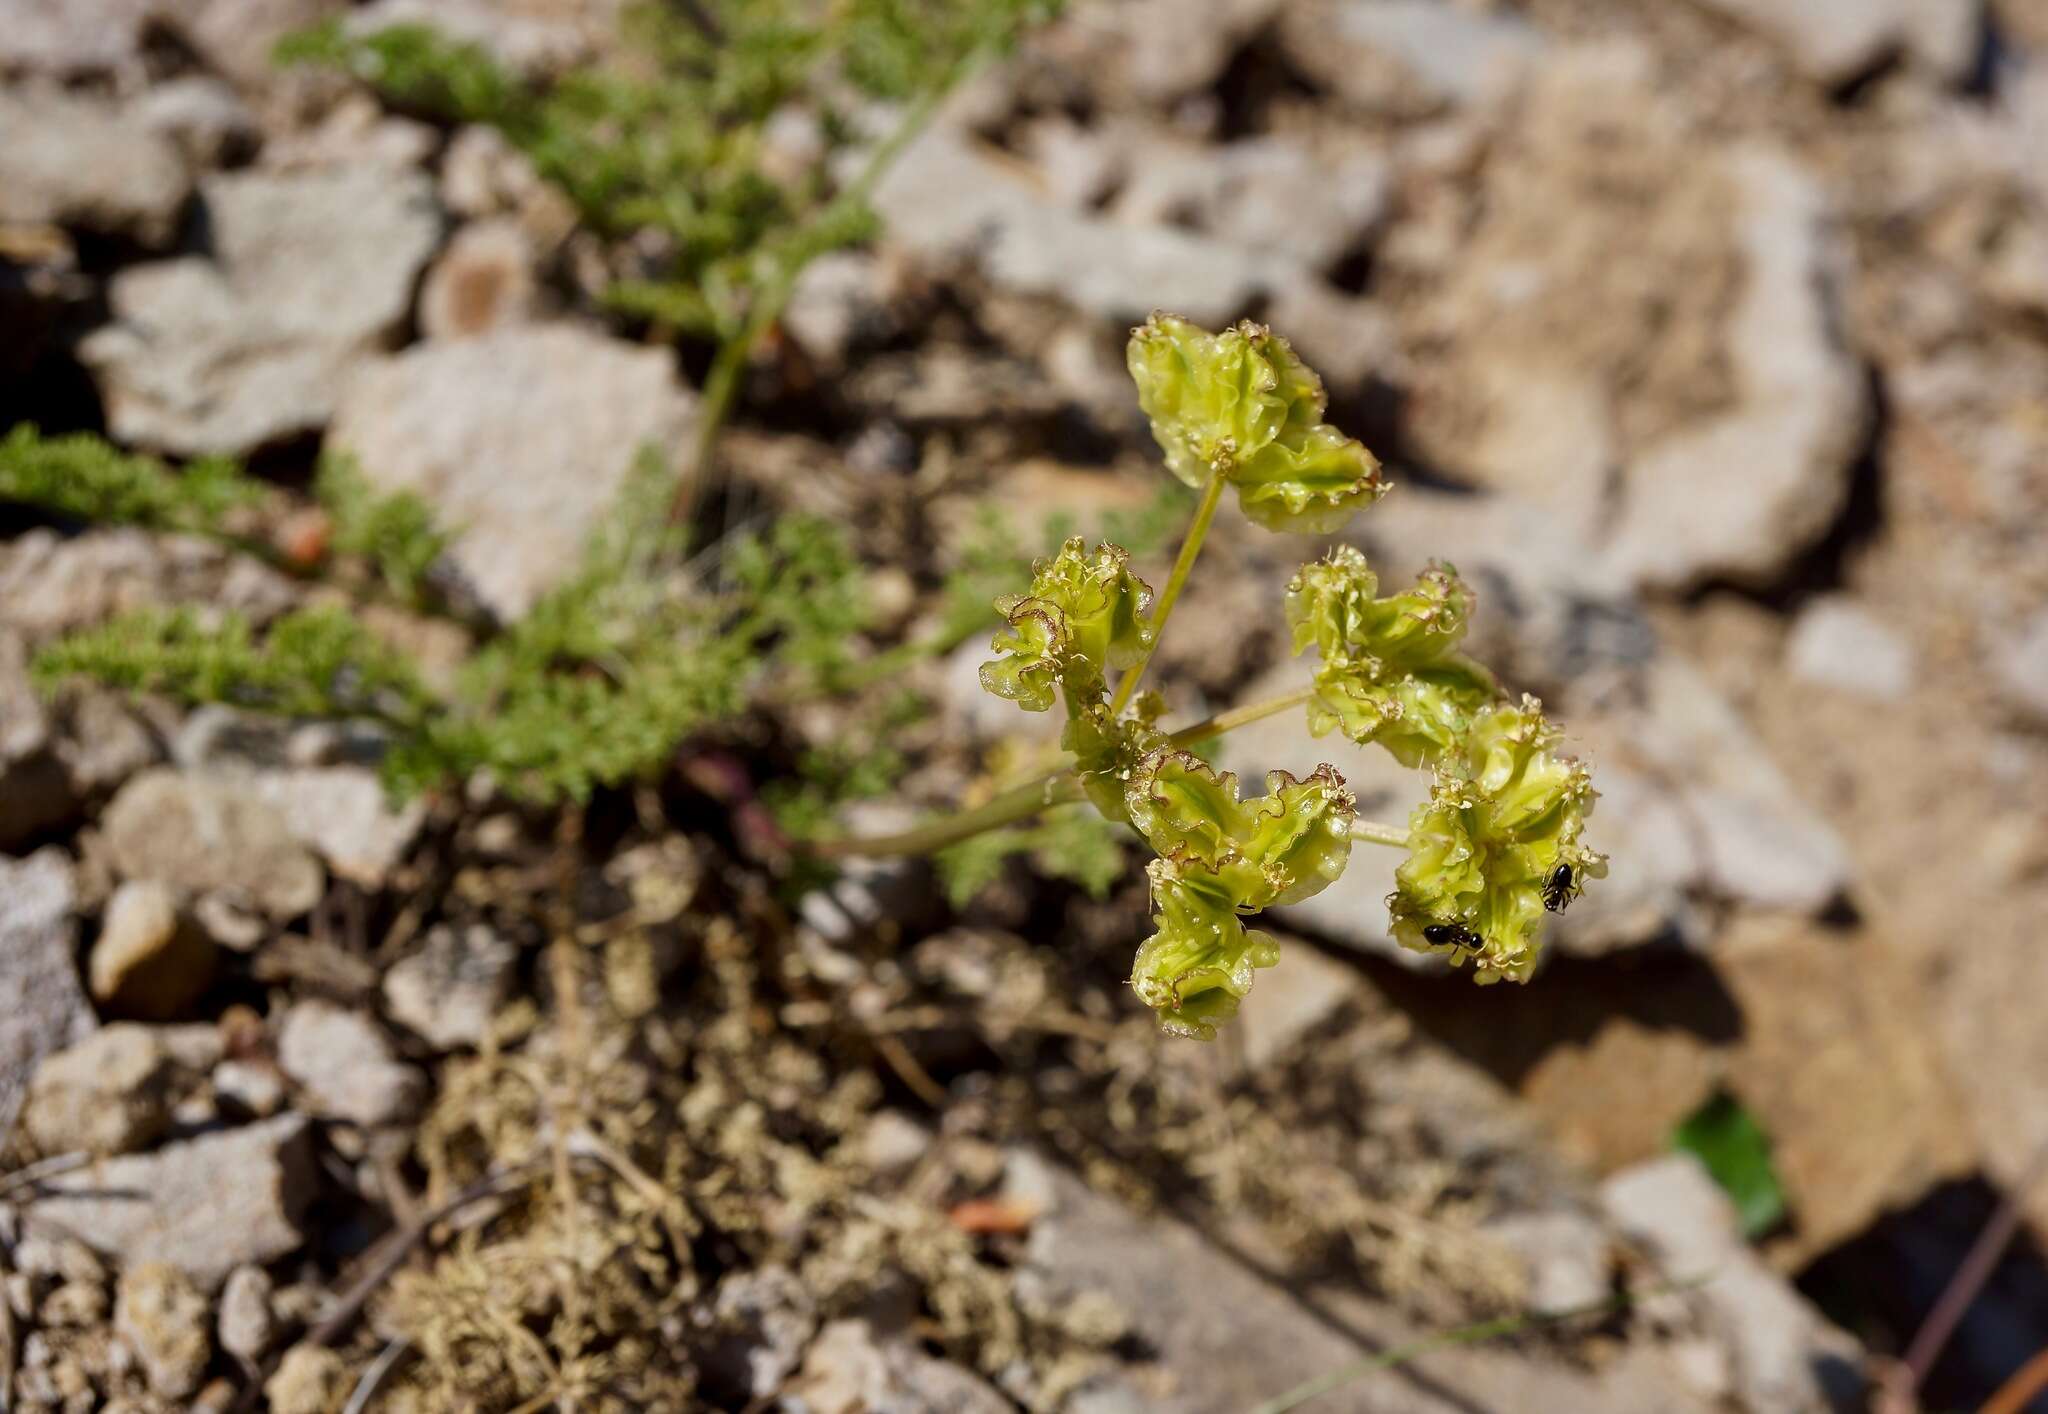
column 1725, row 1137
column 88, row 477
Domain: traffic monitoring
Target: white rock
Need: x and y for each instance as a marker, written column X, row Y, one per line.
column 206, row 118
column 162, row 1317
column 482, row 282
column 1565, row 1252
column 247, row 1325
column 248, row 1088
column 345, row 1067
column 76, row 160
column 1838, row 643
column 1836, row 41
column 1411, row 55
column 2019, row 666
column 453, row 987
column 1672, row 1207
column 46, row 1009
column 198, row 833
column 522, row 439
column 52, row 584
column 310, row 271
column 944, row 200
column 1738, row 494
column 206, row 1206
column 72, row 36
column 343, row 814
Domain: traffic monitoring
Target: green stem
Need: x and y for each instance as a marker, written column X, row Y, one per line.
column 1373, row 832
column 1237, row 717
column 1020, row 803
column 722, row 384
column 1190, row 548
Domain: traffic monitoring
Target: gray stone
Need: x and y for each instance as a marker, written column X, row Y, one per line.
column 2019, row 667
column 247, row 1089
column 73, row 37
column 343, row 814
column 1673, row 1208
column 945, row 201
column 1410, row 57
column 74, row 160
column 344, row 1067
column 1290, row 1000
column 1163, row 50
column 1086, row 1243
column 1837, row 643
column 46, row 1008
column 149, row 960
column 535, row 40
column 109, row 1094
column 1835, row 41
column 893, row 1143
column 205, row 118
column 163, row 1318
column 451, row 990
column 310, row 271
column 1737, row 495
column 765, row 1318
column 52, row 584
column 206, row 1205
column 238, row 38
column 247, row 1326
column 522, row 439
column 198, row 834
column 483, row 281
column 1565, row 1253
column 852, row 1368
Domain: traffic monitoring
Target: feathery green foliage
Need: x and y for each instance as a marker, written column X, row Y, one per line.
column 89, row 478
column 1073, row 843
column 394, row 533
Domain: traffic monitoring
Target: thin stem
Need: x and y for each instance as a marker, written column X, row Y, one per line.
column 1190, row 547
column 1020, row 803
column 721, row 386
column 1373, row 832
column 1237, row 717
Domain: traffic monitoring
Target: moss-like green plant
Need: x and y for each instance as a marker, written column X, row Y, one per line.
column 1496, row 844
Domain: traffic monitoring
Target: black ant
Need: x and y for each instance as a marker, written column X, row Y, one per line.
column 1455, row 935
column 1557, row 889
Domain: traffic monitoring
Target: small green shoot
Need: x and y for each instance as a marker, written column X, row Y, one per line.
column 1724, row 1135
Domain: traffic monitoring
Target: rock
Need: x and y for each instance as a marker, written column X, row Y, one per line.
column 522, row 439
column 1306, row 989
column 451, row 990
column 344, row 1066
column 206, row 1205
column 238, row 38
column 230, row 920
column 35, row 790
column 1837, row 643
column 2019, row 667
column 109, row 1094
column 1835, row 42
column 149, row 961
column 766, row 1317
column 356, row 132
column 343, row 814
column 198, row 834
column 1147, row 1265
column 1163, row 50
column 534, row 40
column 1565, row 1252
column 1738, row 495
column 52, row 584
column 1278, row 194
column 945, row 201
column 1408, row 58
column 311, row 1379
column 163, row 1318
column 247, row 1326
column 46, row 1008
column 1345, row 339
column 104, row 741
column 204, row 117
column 1672, row 1207
column 72, row 160
column 73, row 37
column 309, row 271
column 893, row 1143
column 851, row 1368
column 842, row 296
column 482, row 282
column 248, row 1089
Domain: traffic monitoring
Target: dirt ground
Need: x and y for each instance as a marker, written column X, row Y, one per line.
column 1709, row 340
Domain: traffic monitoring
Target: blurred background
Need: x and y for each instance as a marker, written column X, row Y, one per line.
column 468, row 1027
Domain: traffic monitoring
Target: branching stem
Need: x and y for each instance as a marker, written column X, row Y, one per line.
column 1020, row 803
column 1373, row 832
column 1184, row 563
column 1224, row 722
